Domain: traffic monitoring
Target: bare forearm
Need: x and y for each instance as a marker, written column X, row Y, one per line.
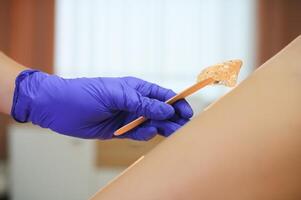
column 9, row 70
column 246, row 146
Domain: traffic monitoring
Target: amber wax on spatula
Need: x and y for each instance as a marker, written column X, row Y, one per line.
column 225, row 73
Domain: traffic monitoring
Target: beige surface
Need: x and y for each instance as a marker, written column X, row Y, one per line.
column 246, row 146
column 123, row 152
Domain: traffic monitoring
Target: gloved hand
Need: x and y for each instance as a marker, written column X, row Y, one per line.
column 96, row 107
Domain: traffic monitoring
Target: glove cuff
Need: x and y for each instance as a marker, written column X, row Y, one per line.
column 21, row 102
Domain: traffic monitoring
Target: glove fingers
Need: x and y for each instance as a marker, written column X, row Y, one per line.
column 157, row 92
column 154, row 91
column 165, row 128
column 149, row 108
column 181, row 107
column 151, row 128
column 179, row 120
column 141, row 133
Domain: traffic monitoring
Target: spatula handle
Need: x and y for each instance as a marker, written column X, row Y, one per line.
column 188, row 91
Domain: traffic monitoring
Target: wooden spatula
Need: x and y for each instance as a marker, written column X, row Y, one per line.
column 224, row 74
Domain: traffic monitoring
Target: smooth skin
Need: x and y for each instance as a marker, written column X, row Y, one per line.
column 9, row 70
column 245, row 146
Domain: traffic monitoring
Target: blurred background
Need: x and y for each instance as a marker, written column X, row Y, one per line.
column 164, row 41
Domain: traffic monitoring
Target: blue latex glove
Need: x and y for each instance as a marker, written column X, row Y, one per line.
column 96, row 107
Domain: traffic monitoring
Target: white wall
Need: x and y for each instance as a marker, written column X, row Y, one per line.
column 48, row 166
column 163, row 41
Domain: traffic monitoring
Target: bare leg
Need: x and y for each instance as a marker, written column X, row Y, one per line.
column 246, row 146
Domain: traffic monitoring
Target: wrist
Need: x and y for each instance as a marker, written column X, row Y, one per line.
column 26, row 85
column 9, row 70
